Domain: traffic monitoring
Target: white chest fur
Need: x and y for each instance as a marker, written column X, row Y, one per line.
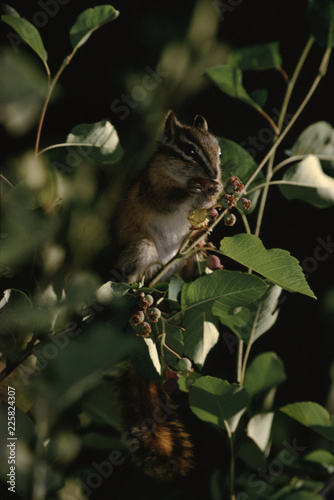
column 168, row 232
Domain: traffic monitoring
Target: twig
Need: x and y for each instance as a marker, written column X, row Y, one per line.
column 52, row 85
column 249, row 345
column 321, row 73
column 296, row 158
column 6, row 180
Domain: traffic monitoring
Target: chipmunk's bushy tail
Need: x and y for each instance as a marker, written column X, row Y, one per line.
column 157, row 440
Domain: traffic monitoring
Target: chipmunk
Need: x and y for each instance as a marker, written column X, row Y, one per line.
column 182, row 175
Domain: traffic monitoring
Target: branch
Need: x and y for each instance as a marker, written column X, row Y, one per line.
column 321, row 73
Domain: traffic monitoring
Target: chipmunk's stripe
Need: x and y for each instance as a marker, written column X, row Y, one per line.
column 200, row 150
column 178, row 149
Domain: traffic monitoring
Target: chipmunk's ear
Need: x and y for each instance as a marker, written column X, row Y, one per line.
column 171, row 125
column 200, row 122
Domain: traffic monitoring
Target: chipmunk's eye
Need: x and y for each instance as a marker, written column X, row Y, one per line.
column 189, row 149
column 220, row 153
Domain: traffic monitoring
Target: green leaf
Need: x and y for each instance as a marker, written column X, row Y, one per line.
column 222, row 291
column 311, row 183
column 303, row 495
column 321, row 19
column 101, row 405
column 256, row 57
column 28, row 33
column 174, row 340
column 259, row 96
column 322, row 457
column 317, row 138
column 259, row 429
column 111, row 290
column 145, row 357
column 229, row 80
column 80, row 287
column 264, row 372
column 312, row 415
column 201, row 335
column 276, row 264
column 89, row 21
column 256, row 318
column 73, row 364
column 23, row 89
column 175, row 287
column 235, row 160
column 250, row 453
column 218, row 402
column 100, row 141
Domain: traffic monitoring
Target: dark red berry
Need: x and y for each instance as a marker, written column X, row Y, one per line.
column 229, row 189
column 169, row 374
column 229, row 219
column 234, row 185
column 170, row 386
column 153, row 314
column 146, row 301
column 137, row 318
column 246, row 204
column 212, row 214
column 213, row 262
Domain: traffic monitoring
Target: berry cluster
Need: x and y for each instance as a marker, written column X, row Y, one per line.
column 141, row 319
column 232, row 197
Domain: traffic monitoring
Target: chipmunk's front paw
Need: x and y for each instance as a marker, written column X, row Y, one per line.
column 211, row 187
column 194, row 186
column 208, row 187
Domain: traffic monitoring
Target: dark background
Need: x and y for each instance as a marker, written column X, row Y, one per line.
column 303, row 334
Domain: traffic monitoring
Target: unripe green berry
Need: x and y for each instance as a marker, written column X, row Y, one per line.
column 212, row 214
column 184, row 365
column 227, row 201
column 246, row 204
column 234, row 186
column 229, row 219
column 144, row 329
column 153, row 314
column 137, row 318
column 146, row 301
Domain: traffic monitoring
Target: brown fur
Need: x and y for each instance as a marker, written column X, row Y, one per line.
column 153, row 223
column 183, row 175
column 157, row 440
